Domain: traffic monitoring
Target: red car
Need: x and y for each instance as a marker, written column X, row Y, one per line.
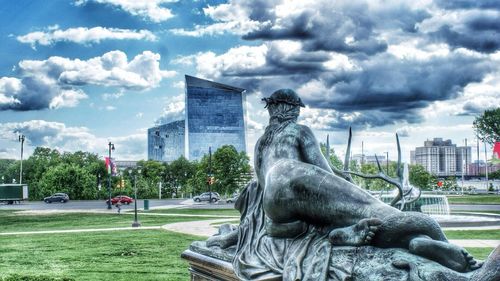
column 122, row 199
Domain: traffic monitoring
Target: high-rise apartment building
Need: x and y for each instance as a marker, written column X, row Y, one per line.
column 214, row 116
column 442, row 157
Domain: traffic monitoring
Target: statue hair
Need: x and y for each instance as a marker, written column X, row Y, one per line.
column 284, row 114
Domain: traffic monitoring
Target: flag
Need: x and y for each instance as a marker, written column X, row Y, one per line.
column 496, row 150
column 110, row 166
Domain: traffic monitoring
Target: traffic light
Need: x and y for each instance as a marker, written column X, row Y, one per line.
column 211, row 180
column 123, row 183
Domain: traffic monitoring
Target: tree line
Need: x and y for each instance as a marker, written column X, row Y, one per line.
column 418, row 175
column 83, row 175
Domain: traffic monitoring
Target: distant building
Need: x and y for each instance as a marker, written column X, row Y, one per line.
column 369, row 159
column 478, row 168
column 166, row 142
column 442, row 157
column 124, row 164
column 214, row 116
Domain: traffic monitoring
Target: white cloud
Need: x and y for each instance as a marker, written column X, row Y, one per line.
column 117, row 95
column 110, row 69
column 54, row 82
column 148, row 9
column 173, row 111
column 67, row 98
column 84, row 35
column 58, row 136
column 229, row 18
column 236, row 59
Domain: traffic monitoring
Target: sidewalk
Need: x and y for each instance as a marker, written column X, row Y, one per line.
column 209, row 227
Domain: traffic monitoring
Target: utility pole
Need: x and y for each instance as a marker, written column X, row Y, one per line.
column 387, row 162
column 477, row 164
column 362, row 152
column 328, row 148
column 486, row 162
column 21, row 140
column 136, row 223
column 209, row 181
column 466, row 166
column 111, row 146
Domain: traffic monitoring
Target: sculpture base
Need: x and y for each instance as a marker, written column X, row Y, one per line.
column 205, row 268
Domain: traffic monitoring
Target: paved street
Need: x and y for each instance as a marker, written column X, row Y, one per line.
column 101, row 204
column 462, row 207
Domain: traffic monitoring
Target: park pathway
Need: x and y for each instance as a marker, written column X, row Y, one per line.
column 210, row 227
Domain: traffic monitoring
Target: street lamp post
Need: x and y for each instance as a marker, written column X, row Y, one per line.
column 387, row 162
column 210, row 173
column 136, row 223
column 21, row 140
column 111, row 146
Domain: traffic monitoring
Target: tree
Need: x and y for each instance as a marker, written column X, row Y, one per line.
column 334, row 159
column 420, row 178
column 230, row 169
column 487, row 126
column 77, row 182
column 177, row 174
column 152, row 172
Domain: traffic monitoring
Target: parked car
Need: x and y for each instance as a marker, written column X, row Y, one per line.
column 122, row 199
column 233, row 198
column 206, row 197
column 57, row 197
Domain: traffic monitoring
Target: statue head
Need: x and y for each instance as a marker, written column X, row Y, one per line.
column 287, row 96
column 284, row 105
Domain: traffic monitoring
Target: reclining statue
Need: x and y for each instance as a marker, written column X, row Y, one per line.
column 302, row 221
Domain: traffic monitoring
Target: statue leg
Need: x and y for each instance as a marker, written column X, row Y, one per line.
column 299, row 191
column 490, row 271
column 449, row 255
column 359, row 234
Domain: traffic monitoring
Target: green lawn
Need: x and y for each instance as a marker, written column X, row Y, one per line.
column 216, row 212
column 493, row 234
column 474, row 199
column 118, row 255
column 12, row 222
column 480, row 253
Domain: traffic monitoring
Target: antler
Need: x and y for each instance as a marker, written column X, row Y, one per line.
column 381, row 175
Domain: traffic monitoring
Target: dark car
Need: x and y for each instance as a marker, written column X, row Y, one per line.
column 233, row 198
column 57, row 197
column 206, row 197
column 122, row 199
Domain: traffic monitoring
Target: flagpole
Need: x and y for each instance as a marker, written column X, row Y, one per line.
column 486, row 161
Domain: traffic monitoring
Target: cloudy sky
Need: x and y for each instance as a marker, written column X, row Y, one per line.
column 77, row 74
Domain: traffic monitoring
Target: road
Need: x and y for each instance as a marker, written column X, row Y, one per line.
column 169, row 203
column 101, row 204
column 463, row 207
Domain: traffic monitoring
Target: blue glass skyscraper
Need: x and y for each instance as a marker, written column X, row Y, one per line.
column 166, row 142
column 214, row 116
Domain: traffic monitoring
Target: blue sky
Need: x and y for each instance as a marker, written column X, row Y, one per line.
column 77, row 74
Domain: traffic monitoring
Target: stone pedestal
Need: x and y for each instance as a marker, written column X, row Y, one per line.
column 206, row 268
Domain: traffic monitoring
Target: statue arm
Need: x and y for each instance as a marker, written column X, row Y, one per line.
column 310, row 151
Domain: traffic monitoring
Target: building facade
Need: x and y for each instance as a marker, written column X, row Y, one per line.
column 442, row 157
column 166, row 142
column 214, row 116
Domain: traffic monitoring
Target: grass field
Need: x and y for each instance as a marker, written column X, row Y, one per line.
column 473, row 234
column 474, row 199
column 217, row 212
column 11, row 222
column 117, row 255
